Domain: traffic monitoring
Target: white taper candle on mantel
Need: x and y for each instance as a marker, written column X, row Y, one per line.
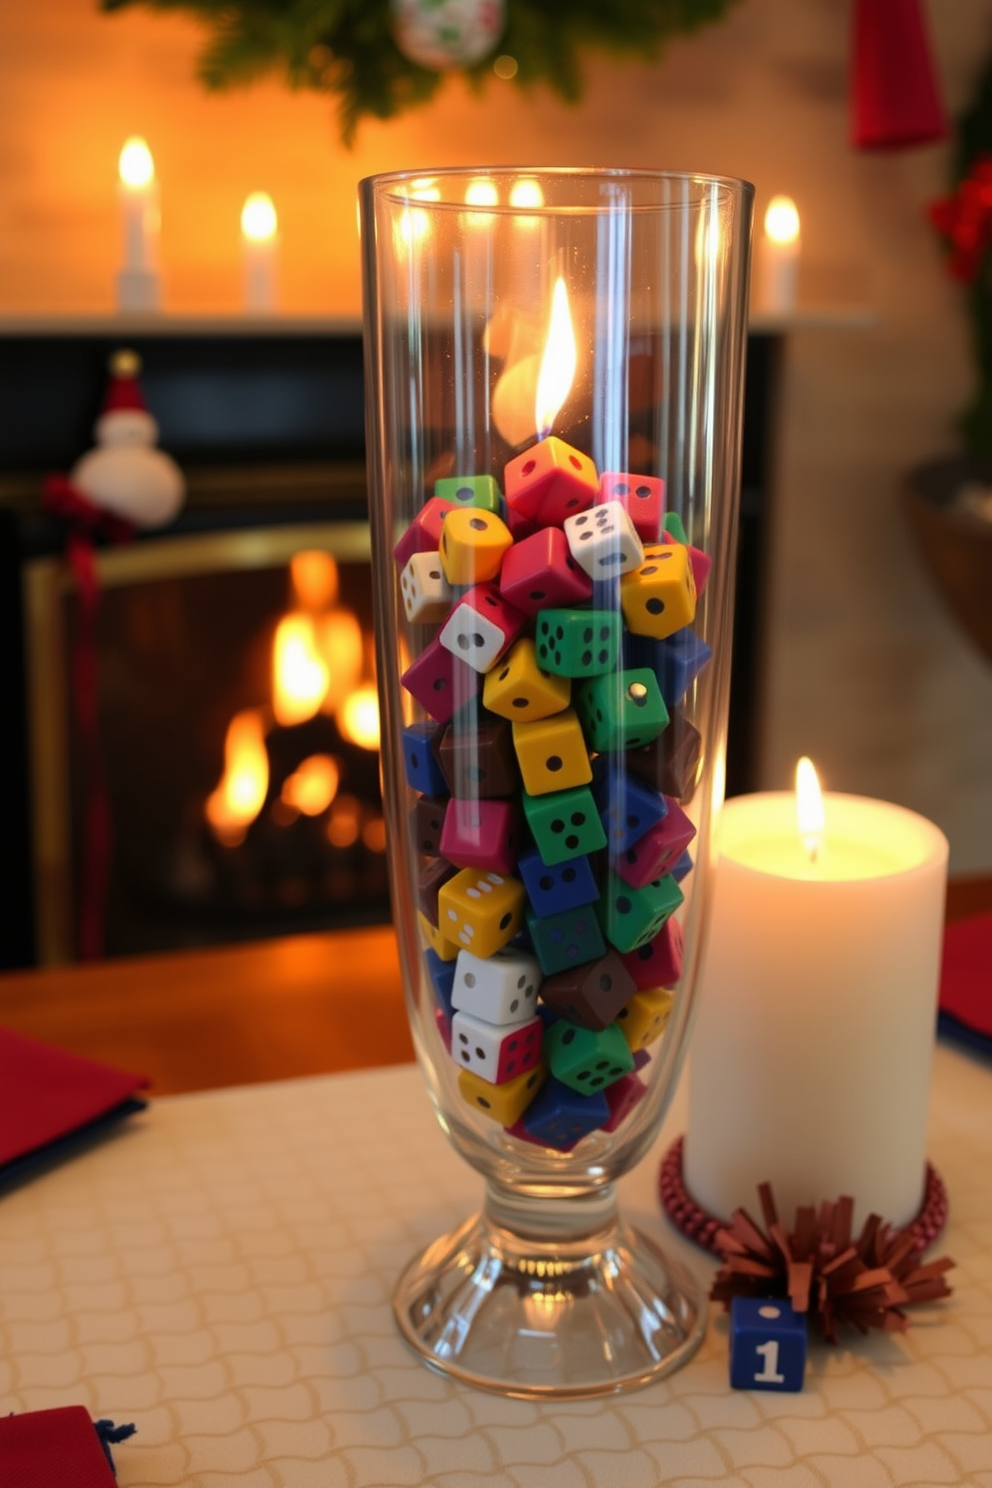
column 778, row 250
column 260, row 253
column 809, row 1064
column 138, row 286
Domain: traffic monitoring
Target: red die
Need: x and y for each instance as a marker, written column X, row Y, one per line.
column 659, row 963
column 550, row 481
column 541, row 571
column 642, row 498
column 424, row 533
column 481, row 626
column 621, row 1097
column 657, row 850
column 440, row 682
column 699, row 562
column 481, row 834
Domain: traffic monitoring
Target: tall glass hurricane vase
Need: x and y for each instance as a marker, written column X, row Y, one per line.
column 554, row 363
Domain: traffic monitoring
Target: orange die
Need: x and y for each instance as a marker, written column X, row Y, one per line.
column 551, row 481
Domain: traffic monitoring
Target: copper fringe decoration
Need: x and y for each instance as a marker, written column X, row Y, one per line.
column 825, row 1273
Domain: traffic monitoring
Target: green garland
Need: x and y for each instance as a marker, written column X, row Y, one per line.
column 345, row 47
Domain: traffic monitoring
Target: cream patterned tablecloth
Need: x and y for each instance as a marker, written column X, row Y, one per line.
column 219, row 1273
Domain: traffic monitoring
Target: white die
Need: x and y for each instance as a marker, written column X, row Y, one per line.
column 604, row 541
column 495, row 1052
column 501, row 989
column 425, row 590
column 473, row 637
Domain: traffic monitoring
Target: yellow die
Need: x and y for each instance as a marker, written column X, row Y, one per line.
column 518, row 688
column 552, row 753
column 504, row 1103
column 645, row 1017
column 473, row 542
column 437, row 942
column 481, row 911
column 659, row 597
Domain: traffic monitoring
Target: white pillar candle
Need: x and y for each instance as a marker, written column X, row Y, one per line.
column 778, row 258
column 138, row 285
column 809, row 1063
column 260, row 252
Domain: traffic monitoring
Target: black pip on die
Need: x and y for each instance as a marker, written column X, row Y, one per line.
column 547, row 777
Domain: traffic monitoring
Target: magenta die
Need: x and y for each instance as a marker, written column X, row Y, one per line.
column 440, row 682
column 656, row 852
column 481, row 834
column 481, row 626
column 424, row 533
column 549, row 482
column 699, row 562
column 621, row 1097
column 541, row 571
column 659, row 963
column 642, row 498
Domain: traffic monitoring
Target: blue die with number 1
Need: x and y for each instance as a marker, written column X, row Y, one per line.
column 767, row 1345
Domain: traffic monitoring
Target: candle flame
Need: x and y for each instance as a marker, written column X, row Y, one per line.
column 809, row 807
column 258, row 217
column 782, row 220
column 554, row 380
column 135, row 165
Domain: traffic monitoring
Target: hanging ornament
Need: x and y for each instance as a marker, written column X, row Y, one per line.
column 446, row 34
column 895, row 99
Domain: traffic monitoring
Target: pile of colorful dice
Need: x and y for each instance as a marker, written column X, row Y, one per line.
column 548, row 771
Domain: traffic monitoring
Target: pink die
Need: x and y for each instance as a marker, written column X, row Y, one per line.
column 658, row 850
column 440, row 683
column 424, row 533
column 621, row 1097
column 550, row 481
column 699, row 562
column 481, row 626
column 659, row 963
column 481, row 834
column 541, row 571
column 642, row 498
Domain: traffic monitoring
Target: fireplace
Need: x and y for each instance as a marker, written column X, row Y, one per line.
column 237, row 811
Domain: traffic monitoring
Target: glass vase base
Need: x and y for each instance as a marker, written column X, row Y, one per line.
column 538, row 1320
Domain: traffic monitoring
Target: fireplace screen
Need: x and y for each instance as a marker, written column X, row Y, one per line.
column 238, row 732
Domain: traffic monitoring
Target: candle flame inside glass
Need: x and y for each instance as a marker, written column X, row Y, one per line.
column 258, row 217
column 809, row 808
column 782, row 220
column 557, row 372
column 135, row 165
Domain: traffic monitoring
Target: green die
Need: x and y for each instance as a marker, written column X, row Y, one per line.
column 578, row 643
column 622, row 711
column 564, row 824
column 562, row 941
column 631, row 917
column 470, row 490
column 585, row 1060
column 672, row 524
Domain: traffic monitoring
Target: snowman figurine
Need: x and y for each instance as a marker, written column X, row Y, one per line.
column 126, row 475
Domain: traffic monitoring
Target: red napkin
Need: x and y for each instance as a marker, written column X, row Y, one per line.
column 56, row 1448
column 966, row 980
column 48, row 1096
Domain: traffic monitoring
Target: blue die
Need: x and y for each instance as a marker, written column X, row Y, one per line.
column 423, row 773
column 560, row 1117
column 565, row 940
column 767, row 1345
column 682, row 868
column 442, row 975
column 627, row 807
column 676, row 661
column 566, row 886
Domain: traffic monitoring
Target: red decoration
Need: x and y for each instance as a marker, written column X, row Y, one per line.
column 965, row 220
column 894, row 96
column 84, row 522
column 867, row 1282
